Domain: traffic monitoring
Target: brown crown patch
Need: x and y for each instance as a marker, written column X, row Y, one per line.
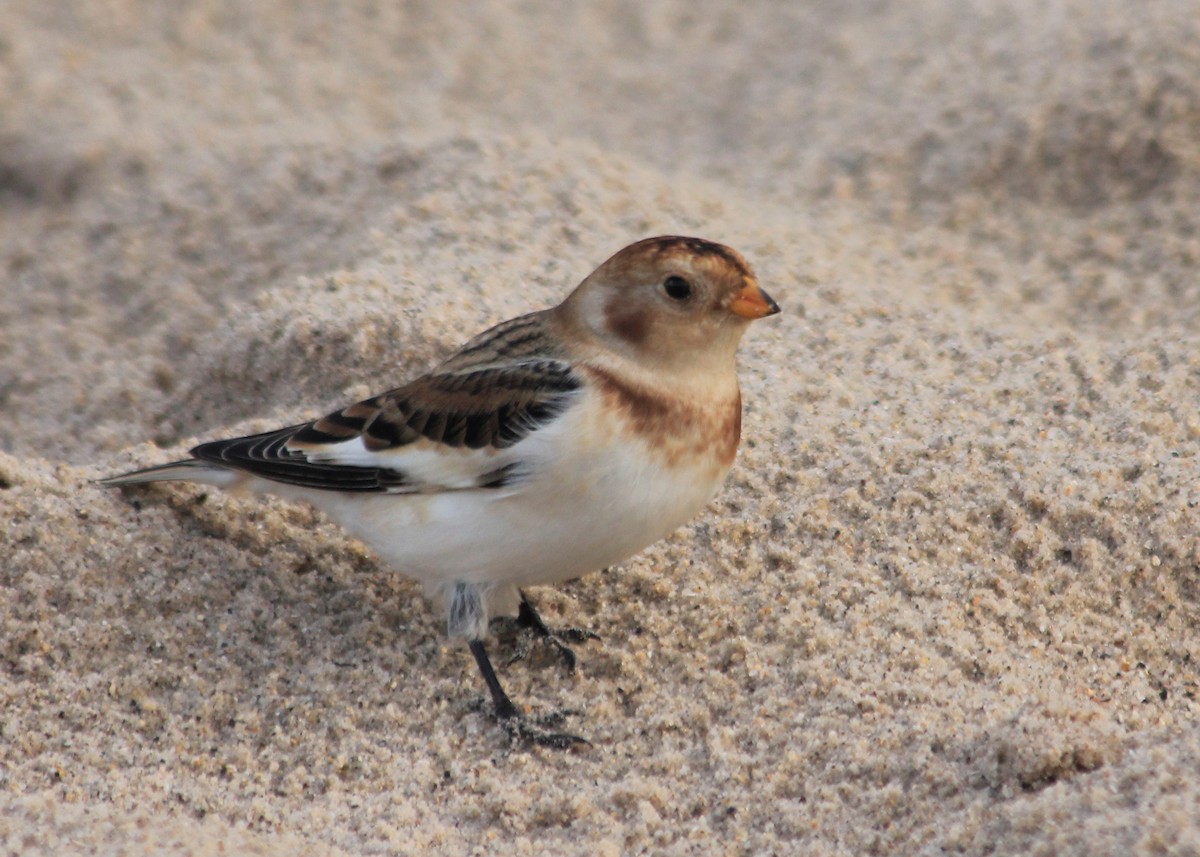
column 666, row 245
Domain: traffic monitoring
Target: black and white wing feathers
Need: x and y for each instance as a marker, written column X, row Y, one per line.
column 447, row 430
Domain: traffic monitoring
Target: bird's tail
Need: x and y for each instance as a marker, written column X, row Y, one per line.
column 188, row 470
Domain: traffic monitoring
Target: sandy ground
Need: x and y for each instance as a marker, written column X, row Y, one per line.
column 948, row 601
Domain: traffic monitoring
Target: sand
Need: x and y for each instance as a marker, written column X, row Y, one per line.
column 949, row 600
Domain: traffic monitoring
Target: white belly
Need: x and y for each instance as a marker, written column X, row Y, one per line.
column 590, row 503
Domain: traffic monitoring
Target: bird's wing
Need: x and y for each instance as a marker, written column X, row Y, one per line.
column 459, row 427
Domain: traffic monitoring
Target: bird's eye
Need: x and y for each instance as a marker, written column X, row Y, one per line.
column 677, row 288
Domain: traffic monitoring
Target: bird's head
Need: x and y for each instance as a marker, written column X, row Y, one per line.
column 671, row 302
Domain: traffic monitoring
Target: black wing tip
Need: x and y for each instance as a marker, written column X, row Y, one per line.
column 268, row 456
column 214, row 450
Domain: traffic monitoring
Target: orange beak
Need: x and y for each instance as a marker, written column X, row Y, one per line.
column 752, row 302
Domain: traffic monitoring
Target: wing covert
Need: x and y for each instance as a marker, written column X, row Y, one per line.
column 476, row 408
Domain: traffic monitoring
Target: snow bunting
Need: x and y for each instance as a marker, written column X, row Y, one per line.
column 551, row 445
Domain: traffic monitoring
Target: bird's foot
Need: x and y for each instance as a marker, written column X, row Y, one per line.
column 526, row 642
column 529, row 619
column 537, row 731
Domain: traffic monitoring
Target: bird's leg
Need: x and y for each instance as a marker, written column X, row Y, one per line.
column 527, row 617
column 511, row 718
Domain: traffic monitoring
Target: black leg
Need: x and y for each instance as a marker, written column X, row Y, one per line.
column 505, row 710
column 510, row 717
column 527, row 617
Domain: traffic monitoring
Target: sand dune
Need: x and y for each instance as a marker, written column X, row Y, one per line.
column 948, row 601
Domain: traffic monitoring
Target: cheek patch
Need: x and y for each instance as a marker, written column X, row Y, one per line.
column 626, row 322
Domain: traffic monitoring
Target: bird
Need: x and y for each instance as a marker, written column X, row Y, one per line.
column 555, row 444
